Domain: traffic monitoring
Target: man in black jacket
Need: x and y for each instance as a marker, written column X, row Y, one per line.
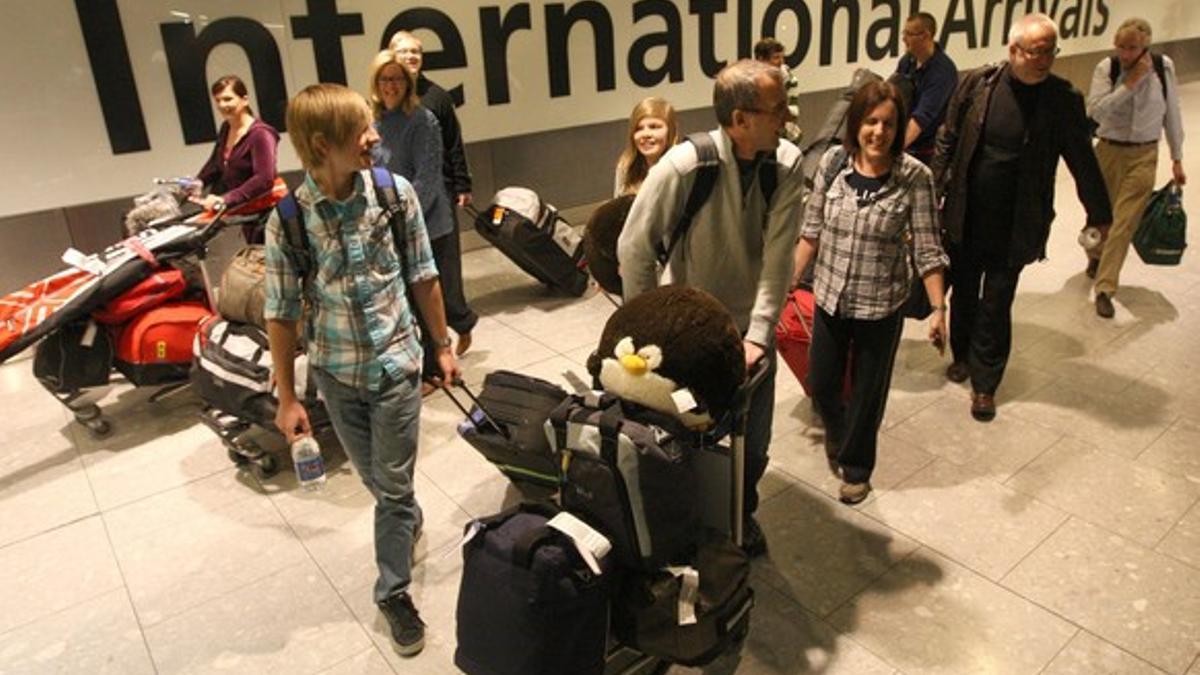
column 996, row 156
column 457, row 176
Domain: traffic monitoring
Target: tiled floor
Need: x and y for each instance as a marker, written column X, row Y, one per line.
column 1062, row 538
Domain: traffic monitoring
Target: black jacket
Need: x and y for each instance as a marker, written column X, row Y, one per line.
column 454, row 159
column 1058, row 129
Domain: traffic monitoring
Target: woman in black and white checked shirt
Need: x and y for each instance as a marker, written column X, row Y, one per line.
column 872, row 208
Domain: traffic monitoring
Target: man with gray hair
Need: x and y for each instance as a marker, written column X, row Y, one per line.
column 994, row 164
column 1134, row 99
column 739, row 243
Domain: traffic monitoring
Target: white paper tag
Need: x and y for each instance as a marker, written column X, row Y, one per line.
column 684, row 401
column 689, row 593
column 75, row 258
column 591, row 544
column 89, row 335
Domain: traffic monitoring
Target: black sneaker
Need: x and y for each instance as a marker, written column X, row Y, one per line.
column 754, row 542
column 408, row 630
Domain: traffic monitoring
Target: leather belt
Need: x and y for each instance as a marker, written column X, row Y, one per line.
column 1128, row 144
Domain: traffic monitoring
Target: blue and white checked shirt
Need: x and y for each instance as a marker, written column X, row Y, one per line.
column 360, row 325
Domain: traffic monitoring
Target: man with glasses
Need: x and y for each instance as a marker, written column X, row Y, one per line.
column 1134, row 98
column 994, row 165
column 932, row 75
column 739, row 244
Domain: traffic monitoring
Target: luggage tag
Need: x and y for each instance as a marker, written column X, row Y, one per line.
column 76, row 258
column 475, row 528
column 684, row 400
column 689, row 592
column 590, row 543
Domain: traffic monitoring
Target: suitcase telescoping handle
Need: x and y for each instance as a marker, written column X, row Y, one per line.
column 467, row 413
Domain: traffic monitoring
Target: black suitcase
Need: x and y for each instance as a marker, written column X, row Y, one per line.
column 507, row 426
column 533, row 235
column 528, row 604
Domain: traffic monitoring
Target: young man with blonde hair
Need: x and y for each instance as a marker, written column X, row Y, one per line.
column 361, row 336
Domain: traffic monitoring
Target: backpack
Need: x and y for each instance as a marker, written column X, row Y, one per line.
column 707, row 169
column 291, row 220
column 1114, row 73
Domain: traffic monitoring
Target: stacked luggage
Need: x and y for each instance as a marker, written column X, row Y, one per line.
column 648, row 562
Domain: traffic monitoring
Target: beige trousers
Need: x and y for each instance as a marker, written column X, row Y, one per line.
column 1129, row 176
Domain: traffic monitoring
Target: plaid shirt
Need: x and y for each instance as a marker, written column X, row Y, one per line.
column 863, row 269
column 360, row 326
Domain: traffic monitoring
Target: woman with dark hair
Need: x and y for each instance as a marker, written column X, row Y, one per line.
column 411, row 147
column 870, row 221
column 242, row 164
column 652, row 131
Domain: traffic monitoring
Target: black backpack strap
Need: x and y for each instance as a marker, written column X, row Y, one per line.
column 291, row 225
column 1161, row 69
column 389, row 200
column 708, row 168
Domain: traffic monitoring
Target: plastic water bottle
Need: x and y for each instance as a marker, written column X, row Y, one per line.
column 310, row 467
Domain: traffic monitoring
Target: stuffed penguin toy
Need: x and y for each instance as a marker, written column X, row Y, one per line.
column 674, row 349
column 600, row 242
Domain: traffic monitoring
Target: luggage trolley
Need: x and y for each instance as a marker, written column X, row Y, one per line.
column 720, row 470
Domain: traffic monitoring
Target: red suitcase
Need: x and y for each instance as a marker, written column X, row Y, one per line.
column 793, row 337
column 156, row 347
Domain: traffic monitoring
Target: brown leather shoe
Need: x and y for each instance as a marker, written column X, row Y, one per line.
column 853, row 493
column 464, row 343
column 1092, row 267
column 957, row 372
column 983, row 406
column 1104, row 306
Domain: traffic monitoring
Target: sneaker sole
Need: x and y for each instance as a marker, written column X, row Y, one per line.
column 409, row 650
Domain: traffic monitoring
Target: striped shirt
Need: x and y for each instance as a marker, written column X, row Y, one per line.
column 863, row 249
column 360, row 326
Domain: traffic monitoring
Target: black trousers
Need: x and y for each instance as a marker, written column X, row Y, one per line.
column 758, row 431
column 460, row 317
column 853, row 430
column 981, row 317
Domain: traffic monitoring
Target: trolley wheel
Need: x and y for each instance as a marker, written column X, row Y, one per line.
column 236, row 457
column 265, row 467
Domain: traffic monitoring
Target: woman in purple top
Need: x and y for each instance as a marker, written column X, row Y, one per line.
column 242, row 164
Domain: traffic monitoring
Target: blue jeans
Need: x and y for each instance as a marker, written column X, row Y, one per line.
column 379, row 432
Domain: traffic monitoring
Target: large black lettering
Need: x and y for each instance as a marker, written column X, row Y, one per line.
column 670, row 39
column 1008, row 18
column 985, row 29
column 1068, row 23
column 559, row 22
column 953, row 24
column 745, row 24
column 108, row 55
column 325, row 27
column 496, row 32
column 453, row 53
column 187, row 58
column 705, row 10
column 829, row 10
column 1102, row 11
column 891, row 24
column 770, row 23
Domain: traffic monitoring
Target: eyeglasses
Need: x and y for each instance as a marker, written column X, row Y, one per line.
column 392, row 80
column 1040, row 53
column 913, row 33
column 780, row 110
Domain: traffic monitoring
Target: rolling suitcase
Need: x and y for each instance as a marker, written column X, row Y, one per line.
column 506, row 425
column 793, row 338
column 532, row 234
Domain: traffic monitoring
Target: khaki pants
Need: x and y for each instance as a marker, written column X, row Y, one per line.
column 1129, row 176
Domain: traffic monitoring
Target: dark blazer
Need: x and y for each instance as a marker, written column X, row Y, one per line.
column 1058, row 129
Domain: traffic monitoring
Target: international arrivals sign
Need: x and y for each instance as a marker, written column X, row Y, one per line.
column 103, row 95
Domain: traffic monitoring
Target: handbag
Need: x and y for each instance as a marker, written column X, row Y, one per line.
column 243, row 293
column 1161, row 236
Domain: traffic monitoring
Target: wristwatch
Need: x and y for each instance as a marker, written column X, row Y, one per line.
column 445, row 343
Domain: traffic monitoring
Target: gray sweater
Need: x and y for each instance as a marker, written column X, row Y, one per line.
column 740, row 250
